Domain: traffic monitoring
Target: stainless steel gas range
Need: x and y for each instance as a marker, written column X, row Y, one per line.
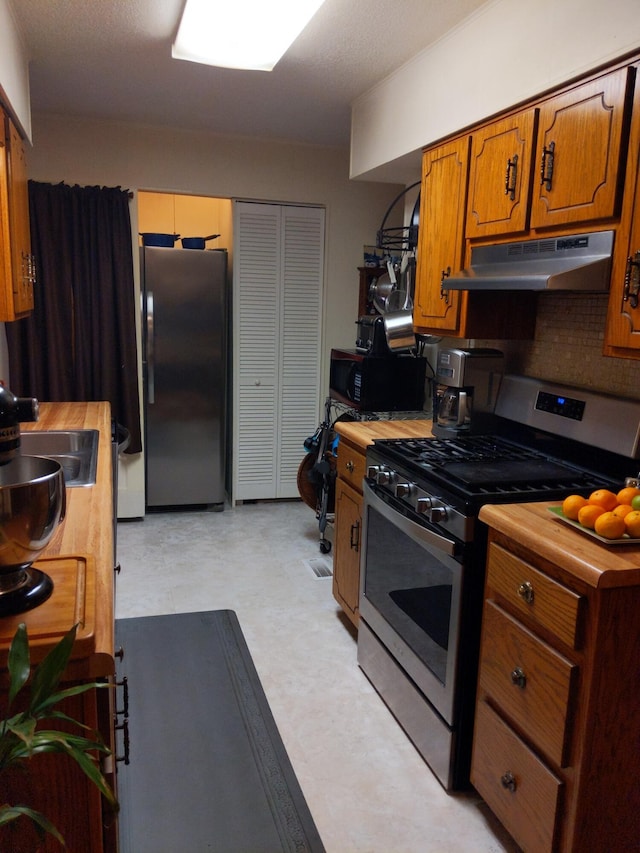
column 423, row 548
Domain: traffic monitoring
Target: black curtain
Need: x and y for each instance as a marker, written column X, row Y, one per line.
column 80, row 342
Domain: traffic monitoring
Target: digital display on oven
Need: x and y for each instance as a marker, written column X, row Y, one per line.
column 558, row 404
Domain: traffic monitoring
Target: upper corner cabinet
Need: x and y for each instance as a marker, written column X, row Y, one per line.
column 581, row 140
column 17, row 269
column 500, row 176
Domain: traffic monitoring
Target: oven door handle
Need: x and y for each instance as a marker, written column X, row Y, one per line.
column 421, row 534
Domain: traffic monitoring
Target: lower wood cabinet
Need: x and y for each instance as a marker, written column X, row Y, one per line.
column 348, row 528
column 557, row 730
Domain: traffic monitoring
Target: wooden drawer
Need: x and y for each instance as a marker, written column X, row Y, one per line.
column 351, row 464
column 531, row 592
column 517, row 786
column 529, row 680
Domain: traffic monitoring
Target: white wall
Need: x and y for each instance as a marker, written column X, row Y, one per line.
column 502, row 54
column 14, row 69
column 154, row 158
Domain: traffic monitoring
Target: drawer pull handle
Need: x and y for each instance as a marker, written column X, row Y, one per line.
column 509, row 781
column 519, row 678
column 350, row 466
column 525, row 591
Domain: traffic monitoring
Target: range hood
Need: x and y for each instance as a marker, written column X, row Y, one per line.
column 577, row 262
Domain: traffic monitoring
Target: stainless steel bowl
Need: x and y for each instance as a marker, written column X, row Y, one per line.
column 32, row 504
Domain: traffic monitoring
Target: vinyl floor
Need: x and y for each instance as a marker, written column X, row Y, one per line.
column 368, row 789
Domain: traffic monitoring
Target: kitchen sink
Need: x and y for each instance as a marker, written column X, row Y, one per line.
column 75, row 449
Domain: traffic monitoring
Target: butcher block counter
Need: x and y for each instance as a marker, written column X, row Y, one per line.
column 355, row 437
column 82, row 591
column 80, row 561
column 557, row 726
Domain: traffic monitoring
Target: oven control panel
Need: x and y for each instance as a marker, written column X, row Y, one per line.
column 559, row 404
column 601, row 420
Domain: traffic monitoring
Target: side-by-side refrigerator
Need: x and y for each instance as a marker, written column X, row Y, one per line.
column 185, row 365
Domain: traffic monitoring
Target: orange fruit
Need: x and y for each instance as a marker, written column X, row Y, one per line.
column 632, row 523
column 588, row 514
column 622, row 509
column 610, row 526
column 604, row 498
column 626, row 495
column 572, row 505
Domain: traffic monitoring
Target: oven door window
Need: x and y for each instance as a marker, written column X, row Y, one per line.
column 411, row 594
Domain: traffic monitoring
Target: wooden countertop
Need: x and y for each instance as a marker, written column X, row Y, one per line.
column 363, row 433
column 592, row 562
column 86, row 532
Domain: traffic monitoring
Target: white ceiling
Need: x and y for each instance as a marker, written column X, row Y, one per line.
column 111, row 59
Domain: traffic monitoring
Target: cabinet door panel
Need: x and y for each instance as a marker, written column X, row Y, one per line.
column 580, row 140
column 441, row 238
column 500, row 176
column 346, row 558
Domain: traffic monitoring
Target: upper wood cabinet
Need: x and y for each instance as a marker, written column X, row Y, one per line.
column 580, row 151
column 441, row 251
column 500, row 176
column 622, row 334
column 17, row 269
column 441, row 238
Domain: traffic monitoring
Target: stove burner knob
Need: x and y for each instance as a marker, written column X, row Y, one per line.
column 438, row 513
column 372, row 472
column 423, row 505
column 429, row 506
column 385, row 477
column 404, row 490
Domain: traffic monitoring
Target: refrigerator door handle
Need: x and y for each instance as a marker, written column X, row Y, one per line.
column 151, row 394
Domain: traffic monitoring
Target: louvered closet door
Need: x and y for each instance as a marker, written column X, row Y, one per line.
column 278, row 274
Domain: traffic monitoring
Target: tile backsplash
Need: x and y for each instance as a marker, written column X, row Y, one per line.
column 568, row 347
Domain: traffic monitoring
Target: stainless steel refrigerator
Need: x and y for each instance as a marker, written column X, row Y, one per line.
column 185, row 366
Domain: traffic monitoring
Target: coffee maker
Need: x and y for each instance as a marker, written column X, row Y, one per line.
column 466, row 387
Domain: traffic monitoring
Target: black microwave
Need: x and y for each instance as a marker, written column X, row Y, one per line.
column 391, row 383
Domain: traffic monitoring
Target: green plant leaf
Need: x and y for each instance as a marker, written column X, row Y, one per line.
column 10, row 813
column 19, row 663
column 54, row 698
column 49, row 671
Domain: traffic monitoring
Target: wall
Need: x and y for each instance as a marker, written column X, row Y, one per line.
column 173, row 161
column 504, row 53
column 14, row 70
column 568, row 347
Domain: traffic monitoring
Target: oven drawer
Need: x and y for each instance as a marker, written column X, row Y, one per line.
column 536, row 595
column 529, row 680
column 517, row 786
column 351, row 464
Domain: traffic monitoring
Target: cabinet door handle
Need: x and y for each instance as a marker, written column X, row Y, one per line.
column 518, row 677
column 511, row 177
column 525, row 591
column 632, row 280
column 350, row 466
column 444, row 293
column 508, row 780
column 354, row 539
column 546, row 166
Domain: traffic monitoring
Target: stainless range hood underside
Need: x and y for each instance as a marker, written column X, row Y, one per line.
column 580, row 262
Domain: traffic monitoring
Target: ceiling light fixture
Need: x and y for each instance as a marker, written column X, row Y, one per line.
column 249, row 34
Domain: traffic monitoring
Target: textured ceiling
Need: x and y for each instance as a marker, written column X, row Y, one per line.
column 112, row 59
